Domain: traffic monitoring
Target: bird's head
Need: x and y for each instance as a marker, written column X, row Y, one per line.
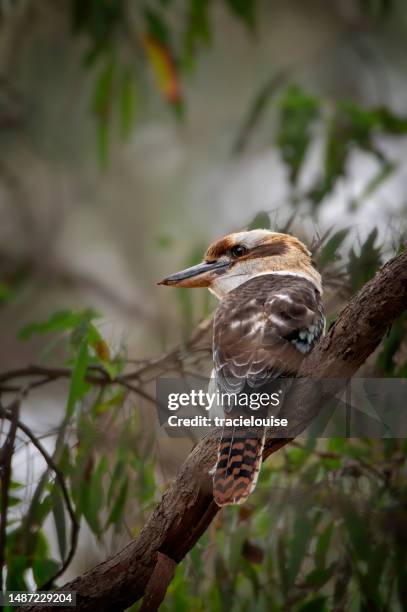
column 238, row 257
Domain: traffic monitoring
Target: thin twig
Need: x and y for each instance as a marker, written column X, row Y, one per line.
column 61, row 480
column 6, row 455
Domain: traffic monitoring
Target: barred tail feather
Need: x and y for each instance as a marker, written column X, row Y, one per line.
column 237, row 468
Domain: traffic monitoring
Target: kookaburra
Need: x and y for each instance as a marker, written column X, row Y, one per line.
column 269, row 317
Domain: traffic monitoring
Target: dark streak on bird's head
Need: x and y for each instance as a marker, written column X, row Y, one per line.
column 254, row 244
column 237, row 257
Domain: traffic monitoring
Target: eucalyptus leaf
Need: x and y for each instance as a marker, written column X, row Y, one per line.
column 302, row 533
column 330, row 250
column 116, row 513
column 78, row 386
column 58, row 512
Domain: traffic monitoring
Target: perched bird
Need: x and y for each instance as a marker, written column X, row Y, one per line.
column 270, row 316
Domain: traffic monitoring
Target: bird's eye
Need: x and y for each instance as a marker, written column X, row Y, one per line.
column 238, row 250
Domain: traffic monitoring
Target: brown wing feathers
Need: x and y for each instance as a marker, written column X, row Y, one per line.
column 262, row 330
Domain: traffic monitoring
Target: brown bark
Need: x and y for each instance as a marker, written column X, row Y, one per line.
column 187, row 507
column 160, row 579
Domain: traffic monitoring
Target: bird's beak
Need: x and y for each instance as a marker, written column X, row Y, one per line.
column 201, row 275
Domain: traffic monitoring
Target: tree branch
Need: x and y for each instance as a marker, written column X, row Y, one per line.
column 187, row 507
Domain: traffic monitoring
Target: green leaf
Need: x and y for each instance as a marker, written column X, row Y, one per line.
column 385, row 360
column 102, row 103
column 377, row 561
column 282, row 563
column 318, row 577
column 85, row 331
column 357, row 527
column 146, row 481
column 42, row 509
column 63, row 320
column 298, row 111
column 103, row 91
column 386, row 169
column 17, row 565
column 331, row 463
column 98, row 19
column 177, row 590
column 78, row 386
column 337, row 445
column 401, row 573
column 329, row 251
column 302, row 533
column 260, row 221
column 59, row 520
column 257, row 110
column 402, row 246
column 93, row 498
column 322, row 547
column 14, row 485
column 196, row 558
column 314, row 605
column 350, row 127
column 127, row 103
column 13, row 501
column 41, row 545
column 297, row 456
column 110, row 404
column 197, row 29
column 252, row 574
column 262, row 522
column 115, row 480
column 43, row 570
column 245, row 10
column 337, row 147
column 157, row 26
column 235, row 550
column 364, row 121
column 363, row 266
column 6, row 293
column 119, row 504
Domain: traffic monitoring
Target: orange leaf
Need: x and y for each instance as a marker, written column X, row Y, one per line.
column 164, row 69
column 102, row 350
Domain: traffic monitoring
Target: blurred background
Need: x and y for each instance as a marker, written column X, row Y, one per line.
column 133, row 134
